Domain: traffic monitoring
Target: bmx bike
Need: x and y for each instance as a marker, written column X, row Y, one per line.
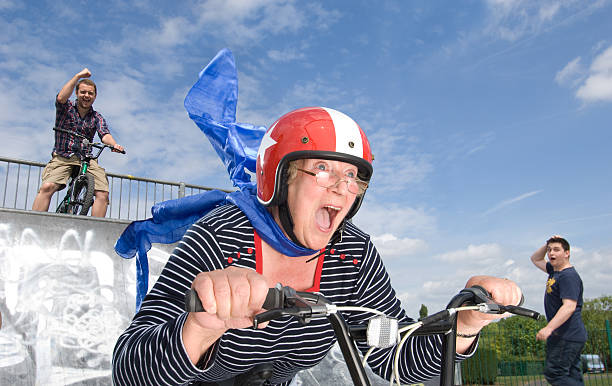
column 380, row 331
column 81, row 186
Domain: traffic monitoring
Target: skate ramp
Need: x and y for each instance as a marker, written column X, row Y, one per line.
column 65, row 297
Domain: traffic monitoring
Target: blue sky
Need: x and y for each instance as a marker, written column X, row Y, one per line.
column 489, row 119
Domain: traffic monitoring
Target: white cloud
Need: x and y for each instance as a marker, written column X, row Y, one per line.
column 505, row 203
column 173, row 31
column 394, row 219
column 514, row 19
column 548, row 11
column 571, row 74
column 10, row 4
column 598, row 85
column 390, row 246
column 243, row 22
column 595, row 269
column 286, row 55
column 483, row 254
column 399, row 162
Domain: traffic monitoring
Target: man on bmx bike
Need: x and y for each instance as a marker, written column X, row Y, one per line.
column 80, row 118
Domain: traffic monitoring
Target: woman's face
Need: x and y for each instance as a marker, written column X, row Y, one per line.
column 317, row 211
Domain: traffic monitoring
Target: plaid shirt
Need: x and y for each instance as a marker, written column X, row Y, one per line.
column 67, row 117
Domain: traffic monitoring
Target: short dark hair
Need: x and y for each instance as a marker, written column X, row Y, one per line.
column 88, row 82
column 560, row 240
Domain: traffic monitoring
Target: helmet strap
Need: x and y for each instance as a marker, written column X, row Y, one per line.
column 287, row 222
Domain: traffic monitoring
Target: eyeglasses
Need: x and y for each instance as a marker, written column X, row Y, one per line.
column 329, row 180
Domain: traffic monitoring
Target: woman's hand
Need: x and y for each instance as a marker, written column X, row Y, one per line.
column 231, row 298
column 502, row 291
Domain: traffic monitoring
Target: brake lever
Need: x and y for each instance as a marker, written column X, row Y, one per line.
column 289, row 302
column 487, row 305
column 291, row 305
column 479, row 294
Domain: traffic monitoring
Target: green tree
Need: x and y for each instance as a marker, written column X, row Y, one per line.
column 595, row 312
column 422, row 311
column 515, row 338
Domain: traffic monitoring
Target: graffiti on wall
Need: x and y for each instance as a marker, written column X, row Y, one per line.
column 63, row 304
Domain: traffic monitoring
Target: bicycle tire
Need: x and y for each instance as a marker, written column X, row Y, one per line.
column 62, row 208
column 83, row 194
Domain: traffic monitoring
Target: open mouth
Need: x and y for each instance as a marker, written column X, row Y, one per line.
column 325, row 216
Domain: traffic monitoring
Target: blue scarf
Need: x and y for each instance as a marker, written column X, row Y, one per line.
column 211, row 104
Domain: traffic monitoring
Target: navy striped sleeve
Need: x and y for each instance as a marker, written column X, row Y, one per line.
column 151, row 351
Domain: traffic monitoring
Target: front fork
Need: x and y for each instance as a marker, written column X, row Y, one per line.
column 72, row 196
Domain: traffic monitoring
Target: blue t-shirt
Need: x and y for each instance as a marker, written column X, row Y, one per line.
column 565, row 284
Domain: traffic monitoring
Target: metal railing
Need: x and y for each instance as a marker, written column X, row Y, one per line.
column 130, row 197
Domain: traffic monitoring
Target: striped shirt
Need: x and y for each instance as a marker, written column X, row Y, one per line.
column 351, row 272
column 67, row 117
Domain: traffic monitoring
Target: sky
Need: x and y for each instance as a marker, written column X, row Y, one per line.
column 489, row 120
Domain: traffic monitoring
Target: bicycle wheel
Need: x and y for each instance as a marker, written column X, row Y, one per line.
column 63, row 207
column 83, row 194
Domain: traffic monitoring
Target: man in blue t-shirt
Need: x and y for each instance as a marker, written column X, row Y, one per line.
column 564, row 334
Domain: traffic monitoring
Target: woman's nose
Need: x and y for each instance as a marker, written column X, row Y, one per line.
column 340, row 187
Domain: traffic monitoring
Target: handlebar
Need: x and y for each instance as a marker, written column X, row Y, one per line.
column 71, row 133
column 286, row 298
column 281, row 301
column 86, row 144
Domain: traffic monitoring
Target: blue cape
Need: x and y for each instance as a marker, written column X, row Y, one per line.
column 211, row 104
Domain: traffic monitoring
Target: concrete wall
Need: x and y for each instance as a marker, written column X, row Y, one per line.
column 65, row 297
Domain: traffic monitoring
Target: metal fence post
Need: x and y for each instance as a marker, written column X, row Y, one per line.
column 181, row 190
column 609, row 340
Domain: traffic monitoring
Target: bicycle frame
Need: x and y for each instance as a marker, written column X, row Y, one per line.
column 85, row 154
column 70, row 194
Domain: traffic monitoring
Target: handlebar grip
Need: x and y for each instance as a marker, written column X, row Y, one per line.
column 274, row 299
column 192, row 301
column 522, row 312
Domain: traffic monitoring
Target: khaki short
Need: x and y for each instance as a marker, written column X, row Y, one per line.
column 59, row 168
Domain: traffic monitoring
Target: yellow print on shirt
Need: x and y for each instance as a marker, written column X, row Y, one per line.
column 549, row 284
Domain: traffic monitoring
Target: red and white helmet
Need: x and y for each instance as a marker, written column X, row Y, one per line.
column 309, row 132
